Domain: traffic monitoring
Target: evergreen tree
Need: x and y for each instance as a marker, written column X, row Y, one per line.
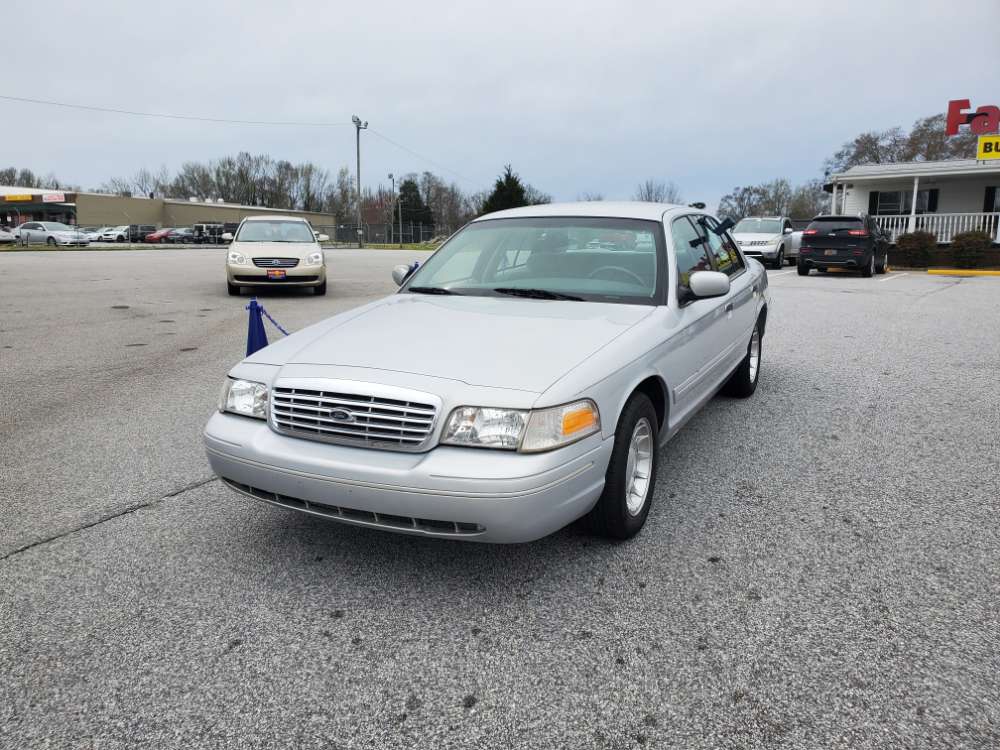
column 413, row 207
column 508, row 192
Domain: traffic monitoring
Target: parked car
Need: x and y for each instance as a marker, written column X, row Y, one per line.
column 769, row 238
column 520, row 379
column 275, row 250
column 94, row 233
column 181, row 235
column 138, row 232
column 850, row 242
column 50, row 233
column 114, row 234
column 160, row 235
column 7, row 237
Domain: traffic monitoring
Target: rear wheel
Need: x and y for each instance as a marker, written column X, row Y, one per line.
column 628, row 485
column 884, row 265
column 869, row 270
column 743, row 382
column 234, row 291
column 803, row 268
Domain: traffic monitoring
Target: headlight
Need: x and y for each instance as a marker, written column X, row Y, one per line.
column 485, row 428
column 521, row 430
column 237, row 259
column 315, row 259
column 244, row 397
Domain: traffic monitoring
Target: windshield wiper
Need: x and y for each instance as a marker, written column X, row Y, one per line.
column 536, row 294
column 430, row 290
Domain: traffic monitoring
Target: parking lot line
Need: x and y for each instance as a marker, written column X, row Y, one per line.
column 780, row 273
column 892, row 276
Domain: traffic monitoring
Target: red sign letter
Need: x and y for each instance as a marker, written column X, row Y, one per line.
column 986, row 120
column 956, row 115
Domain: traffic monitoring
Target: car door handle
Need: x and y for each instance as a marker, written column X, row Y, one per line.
column 729, row 307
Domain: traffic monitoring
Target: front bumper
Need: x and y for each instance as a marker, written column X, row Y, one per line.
column 765, row 251
column 253, row 276
column 448, row 492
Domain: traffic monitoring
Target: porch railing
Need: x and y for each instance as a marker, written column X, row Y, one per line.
column 943, row 226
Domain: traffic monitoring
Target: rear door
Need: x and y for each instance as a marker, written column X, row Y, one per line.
column 836, row 238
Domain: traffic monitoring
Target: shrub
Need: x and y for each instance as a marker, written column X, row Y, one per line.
column 917, row 248
column 970, row 247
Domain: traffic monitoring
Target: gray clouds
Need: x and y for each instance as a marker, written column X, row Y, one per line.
column 579, row 96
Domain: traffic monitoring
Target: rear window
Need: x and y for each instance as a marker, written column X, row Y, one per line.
column 833, row 223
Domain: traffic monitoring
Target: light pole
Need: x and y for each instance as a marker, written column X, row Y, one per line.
column 393, row 180
column 358, row 127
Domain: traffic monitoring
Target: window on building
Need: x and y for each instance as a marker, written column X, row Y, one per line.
column 898, row 202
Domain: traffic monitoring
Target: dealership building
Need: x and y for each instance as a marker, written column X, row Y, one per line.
column 18, row 205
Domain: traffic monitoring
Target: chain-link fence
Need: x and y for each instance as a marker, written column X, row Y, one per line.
column 385, row 234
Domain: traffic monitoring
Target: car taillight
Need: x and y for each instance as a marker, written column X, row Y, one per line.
column 810, row 232
column 858, row 232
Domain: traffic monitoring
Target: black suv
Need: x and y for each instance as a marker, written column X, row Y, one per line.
column 852, row 242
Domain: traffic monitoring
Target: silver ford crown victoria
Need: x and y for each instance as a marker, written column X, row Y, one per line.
column 522, row 378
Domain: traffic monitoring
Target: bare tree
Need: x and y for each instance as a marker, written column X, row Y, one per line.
column 657, row 191
column 588, row 196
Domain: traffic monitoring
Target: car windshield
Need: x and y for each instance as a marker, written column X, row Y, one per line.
column 55, row 226
column 758, row 226
column 580, row 258
column 275, row 231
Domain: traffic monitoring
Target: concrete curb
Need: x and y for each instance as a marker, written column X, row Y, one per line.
column 960, row 272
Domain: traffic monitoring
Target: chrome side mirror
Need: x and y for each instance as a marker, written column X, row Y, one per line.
column 322, row 238
column 705, row 284
column 788, row 230
column 401, row 273
column 227, row 237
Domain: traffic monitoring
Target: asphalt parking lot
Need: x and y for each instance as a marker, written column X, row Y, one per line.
column 819, row 568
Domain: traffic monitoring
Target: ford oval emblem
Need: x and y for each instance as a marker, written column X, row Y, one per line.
column 341, row 415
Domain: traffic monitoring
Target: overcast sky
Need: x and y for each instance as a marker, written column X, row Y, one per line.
column 578, row 96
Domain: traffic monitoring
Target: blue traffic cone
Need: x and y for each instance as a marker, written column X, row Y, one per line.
column 256, row 336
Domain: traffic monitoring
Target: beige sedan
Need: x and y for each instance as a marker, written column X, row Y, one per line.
column 275, row 251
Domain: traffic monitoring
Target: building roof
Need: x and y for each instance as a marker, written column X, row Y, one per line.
column 605, row 209
column 948, row 167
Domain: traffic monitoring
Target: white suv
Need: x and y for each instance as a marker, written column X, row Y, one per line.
column 769, row 238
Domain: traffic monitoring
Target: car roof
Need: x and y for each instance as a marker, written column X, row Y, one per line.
column 603, row 209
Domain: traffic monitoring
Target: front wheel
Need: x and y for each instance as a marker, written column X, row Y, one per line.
column 631, row 477
column 743, row 382
column 320, row 290
column 779, row 261
column 50, row 242
column 233, row 289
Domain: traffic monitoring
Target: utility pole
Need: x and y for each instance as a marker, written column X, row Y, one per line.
column 392, row 218
column 358, row 127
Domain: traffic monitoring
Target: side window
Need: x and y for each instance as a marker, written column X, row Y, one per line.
column 722, row 248
column 691, row 252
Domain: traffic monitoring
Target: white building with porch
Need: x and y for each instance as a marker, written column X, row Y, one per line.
column 941, row 197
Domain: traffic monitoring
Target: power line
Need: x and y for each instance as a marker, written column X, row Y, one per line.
column 168, row 116
column 419, row 156
column 197, row 118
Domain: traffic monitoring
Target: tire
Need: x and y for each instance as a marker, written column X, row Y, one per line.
column 803, row 269
column 869, row 270
column 743, row 382
column 779, row 261
column 884, row 265
column 119, row 238
column 320, row 290
column 612, row 517
column 234, row 291
column 50, row 242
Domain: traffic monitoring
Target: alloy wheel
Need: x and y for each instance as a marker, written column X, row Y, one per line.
column 754, row 354
column 639, row 467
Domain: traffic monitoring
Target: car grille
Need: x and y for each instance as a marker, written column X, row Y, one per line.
column 352, row 418
column 352, row 515
column 286, row 280
column 275, row 262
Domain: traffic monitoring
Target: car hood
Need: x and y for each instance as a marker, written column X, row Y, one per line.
column 496, row 342
column 274, row 249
